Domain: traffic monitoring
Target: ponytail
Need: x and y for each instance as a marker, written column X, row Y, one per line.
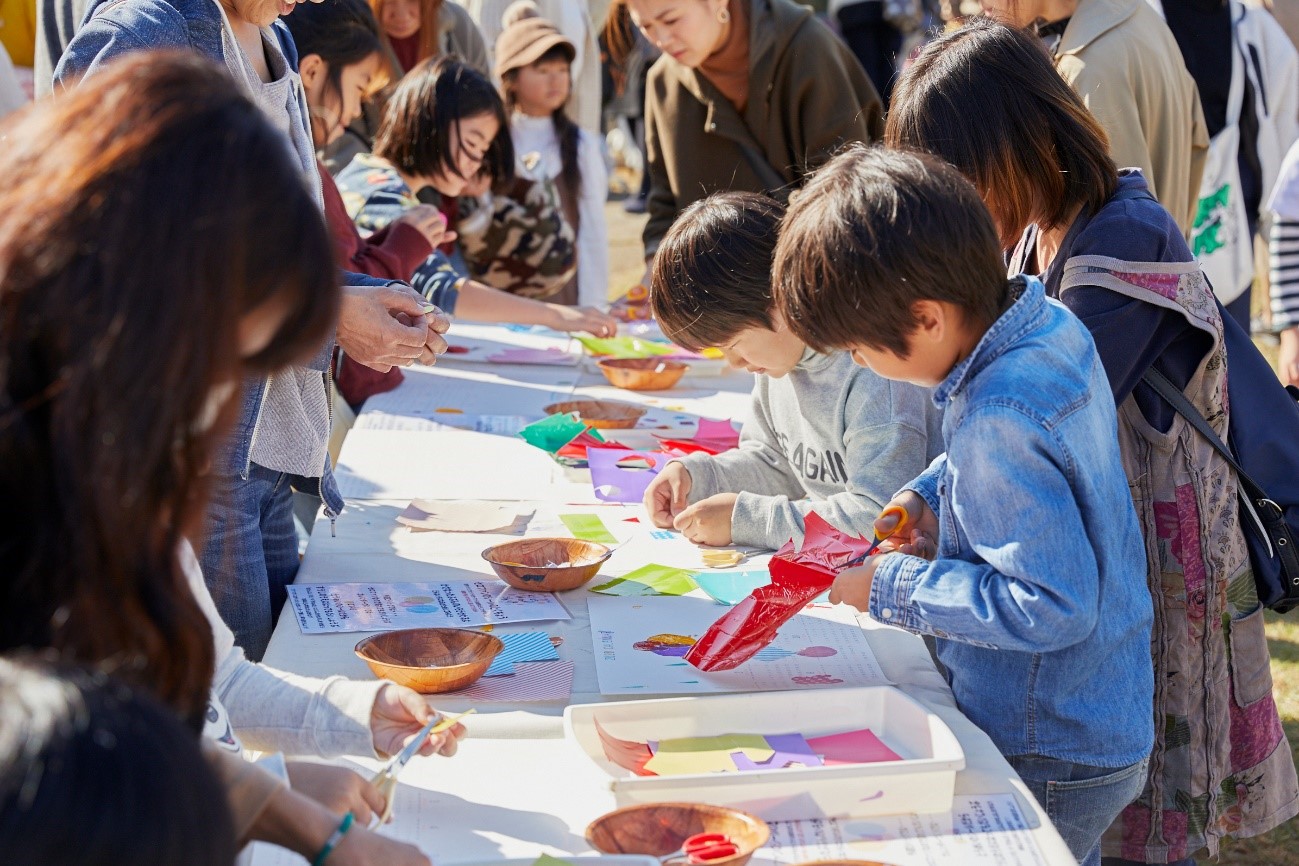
column 619, row 33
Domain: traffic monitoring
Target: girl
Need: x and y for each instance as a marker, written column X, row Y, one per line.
column 443, row 129
column 984, row 99
column 534, row 62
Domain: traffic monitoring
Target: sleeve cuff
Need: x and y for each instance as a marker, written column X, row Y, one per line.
column 896, row 578
column 407, row 243
column 926, row 484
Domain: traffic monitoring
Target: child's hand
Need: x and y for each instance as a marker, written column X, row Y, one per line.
column 853, row 585
column 708, row 522
column 918, row 539
column 667, row 495
column 398, row 715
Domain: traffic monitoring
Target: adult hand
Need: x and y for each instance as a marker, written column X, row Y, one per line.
column 360, row 847
column 708, row 521
column 853, row 585
column 1287, row 361
column 338, row 789
column 920, row 538
column 371, row 332
column 397, row 717
column 437, row 324
column 667, row 495
column 429, row 222
column 588, row 319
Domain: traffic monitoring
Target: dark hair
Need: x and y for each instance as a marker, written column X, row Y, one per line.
column 987, row 99
column 93, row 774
column 871, row 233
column 566, row 130
column 158, row 207
column 415, row 135
column 342, row 33
column 712, row 274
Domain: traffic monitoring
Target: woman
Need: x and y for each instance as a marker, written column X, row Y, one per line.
column 1106, row 249
column 120, row 366
column 1124, row 62
column 750, row 96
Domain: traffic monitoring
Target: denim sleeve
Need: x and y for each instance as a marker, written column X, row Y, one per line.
column 437, row 280
column 926, row 484
column 1016, row 569
column 104, row 38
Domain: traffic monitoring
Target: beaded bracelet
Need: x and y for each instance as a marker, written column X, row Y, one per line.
column 332, row 842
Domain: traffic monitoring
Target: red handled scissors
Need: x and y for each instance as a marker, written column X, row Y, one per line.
column 703, row 848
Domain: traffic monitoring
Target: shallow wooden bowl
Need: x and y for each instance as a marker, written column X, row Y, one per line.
column 430, row 660
column 600, row 414
column 643, row 374
column 525, row 564
column 657, row 829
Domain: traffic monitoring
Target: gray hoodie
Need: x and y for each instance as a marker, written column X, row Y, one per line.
column 829, row 437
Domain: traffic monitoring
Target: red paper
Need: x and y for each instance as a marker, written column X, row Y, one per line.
column 852, row 747
column 796, row 579
column 576, row 448
column 712, row 437
column 628, row 754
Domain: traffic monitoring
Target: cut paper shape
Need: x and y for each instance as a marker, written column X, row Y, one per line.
column 690, row 755
column 424, row 515
column 722, row 558
column 712, row 437
column 534, row 681
column 626, row 347
column 852, row 747
column 588, row 527
column 666, row 645
column 555, row 431
column 649, row 580
column 732, row 587
column 577, row 447
column 620, row 483
column 628, row 754
column 524, row 646
column 790, row 750
column 546, row 357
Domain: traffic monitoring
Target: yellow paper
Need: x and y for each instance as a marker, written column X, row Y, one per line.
column 688, row 755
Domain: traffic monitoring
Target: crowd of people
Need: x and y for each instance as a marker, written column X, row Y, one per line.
column 968, row 262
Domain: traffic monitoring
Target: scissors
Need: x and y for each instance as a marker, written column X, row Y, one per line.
column 704, row 848
column 903, row 519
column 386, row 779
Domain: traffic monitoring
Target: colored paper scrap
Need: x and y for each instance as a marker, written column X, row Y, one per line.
column 424, row 515
column 789, row 750
column 689, row 755
column 649, row 580
column 500, row 668
column 555, row 431
column 852, row 747
column 549, row 357
column 613, row 482
column 588, row 527
column 547, row 860
column 520, row 647
column 628, row 754
column 712, row 437
column 533, row 681
column 722, row 558
column 626, row 347
column 732, row 587
column 576, row 448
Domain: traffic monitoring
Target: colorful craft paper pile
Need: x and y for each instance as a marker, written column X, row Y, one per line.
column 741, row 753
column 712, row 437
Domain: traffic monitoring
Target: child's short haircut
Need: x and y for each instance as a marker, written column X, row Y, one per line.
column 871, row 233
column 712, row 273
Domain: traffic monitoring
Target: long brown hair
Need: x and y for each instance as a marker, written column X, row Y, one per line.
column 144, row 214
column 429, row 30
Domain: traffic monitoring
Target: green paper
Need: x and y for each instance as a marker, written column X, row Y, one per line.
column 547, row 860
column 689, row 755
column 555, row 431
column 649, row 580
column 588, row 527
column 626, row 347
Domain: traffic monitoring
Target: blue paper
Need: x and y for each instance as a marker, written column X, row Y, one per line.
column 524, row 646
column 732, row 587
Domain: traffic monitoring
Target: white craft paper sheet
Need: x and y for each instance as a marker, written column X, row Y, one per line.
column 329, row 608
column 821, row 647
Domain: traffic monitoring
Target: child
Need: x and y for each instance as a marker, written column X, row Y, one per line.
column 443, row 129
column 1037, row 597
column 825, row 436
column 534, row 63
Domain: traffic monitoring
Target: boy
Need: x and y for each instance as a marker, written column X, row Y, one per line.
column 824, row 434
column 1037, row 599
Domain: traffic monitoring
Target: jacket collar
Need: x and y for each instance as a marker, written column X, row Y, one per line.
column 1091, row 20
column 1027, row 313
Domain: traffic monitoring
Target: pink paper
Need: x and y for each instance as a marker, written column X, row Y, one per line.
column 712, row 437
column 790, row 750
column 551, row 356
column 852, row 747
column 614, row 483
column 532, row 681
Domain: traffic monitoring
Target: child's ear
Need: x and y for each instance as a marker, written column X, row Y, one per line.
column 932, row 318
column 311, row 69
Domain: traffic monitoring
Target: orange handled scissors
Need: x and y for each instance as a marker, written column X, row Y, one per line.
column 903, row 519
column 703, row 848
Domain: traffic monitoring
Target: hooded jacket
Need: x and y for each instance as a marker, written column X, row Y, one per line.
column 808, row 96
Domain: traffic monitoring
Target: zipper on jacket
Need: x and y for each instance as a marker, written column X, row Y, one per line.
column 257, row 425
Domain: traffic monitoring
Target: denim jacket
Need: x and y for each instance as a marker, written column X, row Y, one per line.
column 116, row 27
column 1038, row 595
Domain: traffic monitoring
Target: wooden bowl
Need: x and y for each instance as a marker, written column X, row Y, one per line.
column 643, row 374
column 657, row 829
column 430, row 660
column 600, row 414
column 525, row 564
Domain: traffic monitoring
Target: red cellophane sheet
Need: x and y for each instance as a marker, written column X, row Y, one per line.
column 797, row 577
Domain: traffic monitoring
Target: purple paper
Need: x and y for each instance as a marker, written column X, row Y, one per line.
column 614, row 483
column 789, row 749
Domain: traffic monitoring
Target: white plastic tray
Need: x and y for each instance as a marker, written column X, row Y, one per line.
column 922, row 782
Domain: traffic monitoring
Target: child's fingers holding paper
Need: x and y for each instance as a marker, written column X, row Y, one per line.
column 853, row 585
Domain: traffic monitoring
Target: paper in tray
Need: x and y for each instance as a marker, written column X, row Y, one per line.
column 796, row 579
